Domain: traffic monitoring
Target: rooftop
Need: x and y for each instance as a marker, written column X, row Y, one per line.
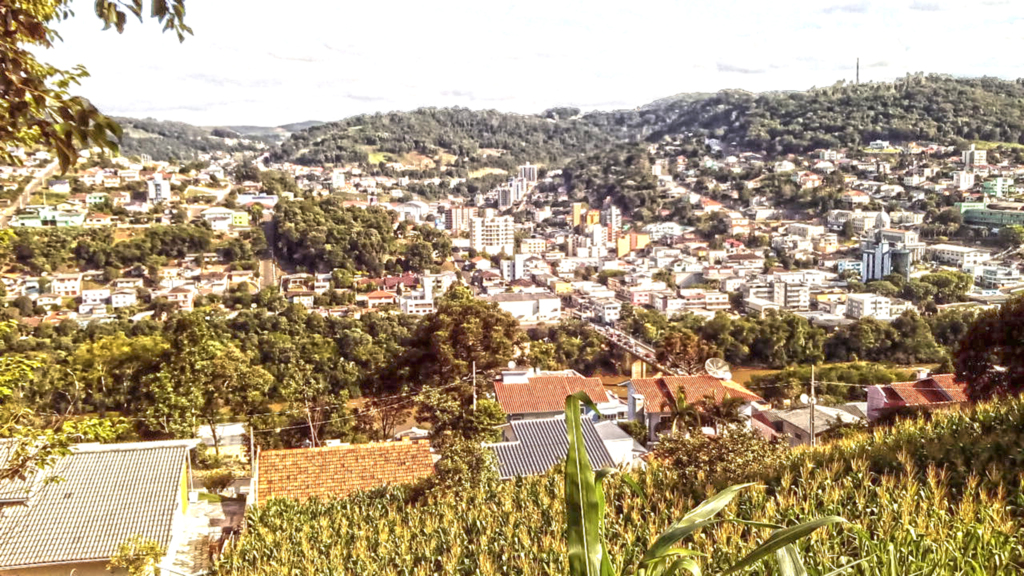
column 337, row 471
column 537, row 445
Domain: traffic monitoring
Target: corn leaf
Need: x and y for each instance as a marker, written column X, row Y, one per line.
column 789, row 562
column 582, row 500
column 694, row 519
column 780, row 539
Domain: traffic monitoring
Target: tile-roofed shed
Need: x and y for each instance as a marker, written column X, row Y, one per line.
column 545, row 394
column 538, row 445
column 659, row 393
column 337, row 471
column 107, row 493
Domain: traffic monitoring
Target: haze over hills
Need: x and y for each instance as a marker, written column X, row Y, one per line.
column 917, row 107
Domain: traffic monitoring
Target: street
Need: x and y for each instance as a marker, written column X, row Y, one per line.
column 26, row 196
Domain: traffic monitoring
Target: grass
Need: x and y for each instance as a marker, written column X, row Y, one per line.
column 481, row 172
column 208, row 497
column 989, row 145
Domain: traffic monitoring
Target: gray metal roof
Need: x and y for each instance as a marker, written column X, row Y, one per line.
column 540, row 444
column 105, row 495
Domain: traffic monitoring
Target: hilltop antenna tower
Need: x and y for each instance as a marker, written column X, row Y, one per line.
column 858, row 70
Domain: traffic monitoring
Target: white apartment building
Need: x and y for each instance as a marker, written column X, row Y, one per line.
column 809, row 231
column 963, row 180
column 123, row 298
column 66, row 285
column 159, row 189
column 959, row 256
column 973, row 157
column 492, row 234
column 868, row 305
column 533, row 246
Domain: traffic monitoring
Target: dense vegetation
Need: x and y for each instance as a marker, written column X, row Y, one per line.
column 457, row 131
column 936, row 497
column 918, row 107
column 779, row 340
column 275, row 367
column 60, row 249
column 326, row 234
column 166, row 140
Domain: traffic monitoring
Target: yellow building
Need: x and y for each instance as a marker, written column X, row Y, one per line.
column 577, row 213
column 631, row 242
column 561, row 287
column 593, row 217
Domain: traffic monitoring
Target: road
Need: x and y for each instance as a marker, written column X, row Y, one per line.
column 23, row 200
column 643, row 351
column 268, row 263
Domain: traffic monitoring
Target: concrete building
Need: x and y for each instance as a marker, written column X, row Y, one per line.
column 457, row 218
column 958, row 256
column 492, row 234
column 533, row 246
column 974, row 157
column 159, row 189
column 998, row 187
column 996, row 277
column 963, row 180
column 994, row 214
column 529, row 307
column 528, row 173
column 880, row 257
column 868, row 305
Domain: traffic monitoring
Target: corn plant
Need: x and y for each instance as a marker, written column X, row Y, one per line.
column 584, row 506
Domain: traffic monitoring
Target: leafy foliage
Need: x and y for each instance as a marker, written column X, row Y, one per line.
column 943, row 492
column 36, row 104
column 917, row 107
column 457, row 131
column 138, row 555
column 990, row 357
column 738, row 453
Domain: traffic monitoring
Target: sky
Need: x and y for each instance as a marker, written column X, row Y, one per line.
column 268, row 62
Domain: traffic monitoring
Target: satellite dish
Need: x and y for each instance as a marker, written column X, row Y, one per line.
column 718, row 368
column 804, row 399
column 511, row 364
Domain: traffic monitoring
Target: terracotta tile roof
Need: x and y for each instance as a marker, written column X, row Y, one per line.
column 337, row 471
column 938, row 389
column 546, row 393
column 380, row 295
column 659, row 393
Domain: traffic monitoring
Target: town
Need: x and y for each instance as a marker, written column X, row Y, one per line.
column 435, row 328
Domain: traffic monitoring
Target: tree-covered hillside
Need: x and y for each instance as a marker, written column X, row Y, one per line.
column 166, row 140
column 917, row 107
column 459, row 132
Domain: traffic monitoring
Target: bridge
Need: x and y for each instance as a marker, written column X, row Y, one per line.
column 642, row 354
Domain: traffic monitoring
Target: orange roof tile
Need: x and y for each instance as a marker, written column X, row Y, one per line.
column 380, row 295
column 337, row 471
column 938, row 389
column 546, row 393
column 659, row 393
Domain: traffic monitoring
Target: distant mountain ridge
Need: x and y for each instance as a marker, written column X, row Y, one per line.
column 915, row 107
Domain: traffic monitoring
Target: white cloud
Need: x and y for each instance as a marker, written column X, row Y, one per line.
column 255, row 62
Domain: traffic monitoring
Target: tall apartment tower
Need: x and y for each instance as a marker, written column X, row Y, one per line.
column 611, row 219
column 577, row 213
column 492, row 234
column 528, row 173
column 974, row 157
column 456, row 218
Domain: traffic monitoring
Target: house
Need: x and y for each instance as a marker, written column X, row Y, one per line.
column 650, row 400
column 184, row 296
column 526, row 394
column 379, row 298
column 795, row 425
column 925, row 393
column 302, row 297
column 124, row 298
column 106, row 494
column 855, row 197
column 532, row 447
column 95, row 296
column 337, row 471
column 66, row 285
column 48, row 300
column 622, row 447
column 219, row 218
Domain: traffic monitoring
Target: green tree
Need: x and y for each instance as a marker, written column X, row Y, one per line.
column 1011, row 236
column 990, row 357
column 36, row 105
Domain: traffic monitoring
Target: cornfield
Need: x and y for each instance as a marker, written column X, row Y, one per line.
column 937, row 497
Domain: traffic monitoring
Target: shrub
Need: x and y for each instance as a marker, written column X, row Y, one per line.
column 218, row 480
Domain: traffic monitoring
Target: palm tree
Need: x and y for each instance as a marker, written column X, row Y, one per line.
column 684, row 413
column 725, row 412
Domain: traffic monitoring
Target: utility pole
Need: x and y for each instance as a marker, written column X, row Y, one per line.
column 814, row 401
column 858, row 70
column 474, row 385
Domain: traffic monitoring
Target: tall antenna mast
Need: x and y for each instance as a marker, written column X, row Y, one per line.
column 858, row 70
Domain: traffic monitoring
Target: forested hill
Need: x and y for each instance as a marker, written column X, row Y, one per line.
column 474, row 135
column 166, row 140
column 916, row 107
